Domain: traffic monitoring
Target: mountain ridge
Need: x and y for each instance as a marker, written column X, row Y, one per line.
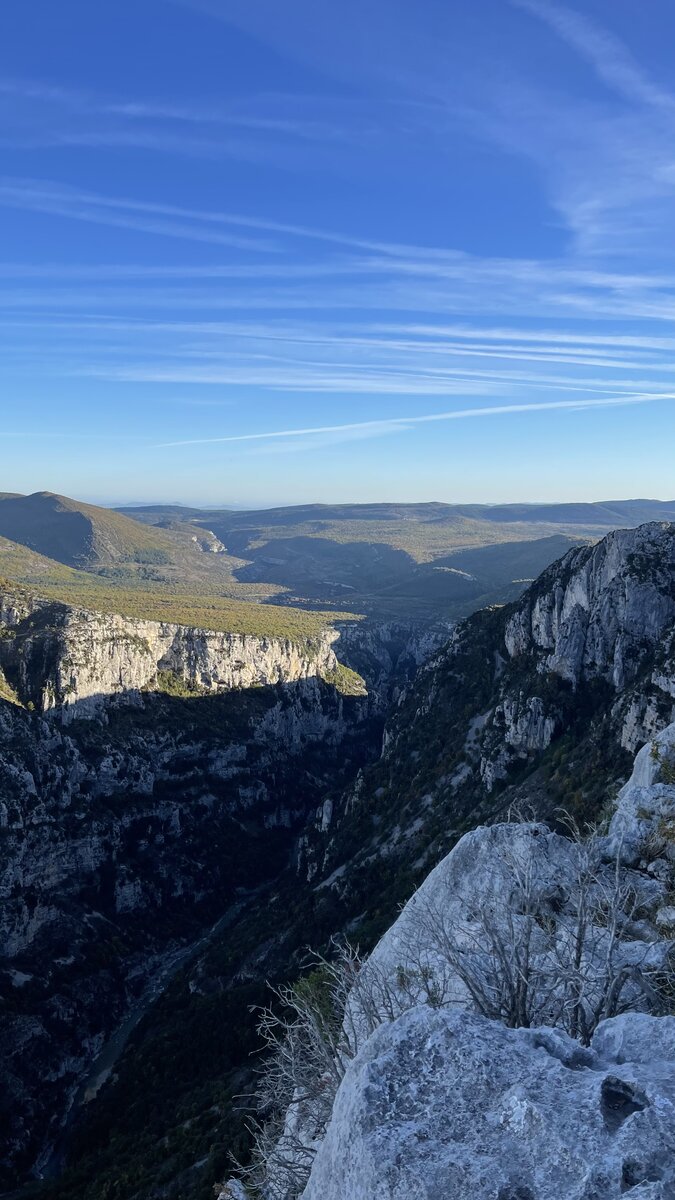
column 383, row 562
column 604, row 511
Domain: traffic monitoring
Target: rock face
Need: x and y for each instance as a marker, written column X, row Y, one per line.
column 388, row 654
column 119, row 833
column 442, row 1104
column 605, row 614
column 601, row 618
column 70, row 661
column 442, row 1101
column 490, row 865
column 592, row 614
column 643, row 824
column 542, row 702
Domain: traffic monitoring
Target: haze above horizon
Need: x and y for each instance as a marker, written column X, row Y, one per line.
column 259, row 254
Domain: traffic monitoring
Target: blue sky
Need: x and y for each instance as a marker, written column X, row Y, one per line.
column 257, row 253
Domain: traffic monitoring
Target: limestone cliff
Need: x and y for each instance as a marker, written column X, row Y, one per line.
column 601, row 613
column 540, row 702
column 69, row 661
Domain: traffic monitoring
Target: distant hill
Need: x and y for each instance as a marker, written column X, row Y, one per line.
column 158, row 514
column 608, row 513
column 400, row 560
column 421, row 562
column 78, row 534
column 468, row 579
column 604, row 514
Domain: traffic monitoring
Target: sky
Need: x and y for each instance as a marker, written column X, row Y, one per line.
column 258, row 253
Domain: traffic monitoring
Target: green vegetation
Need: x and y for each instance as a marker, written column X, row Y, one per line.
column 151, row 554
column 21, row 563
column 173, row 684
column 349, row 682
column 7, row 691
column 424, row 532
column 24, row 572
column 201, row 612
column 422, row 540
column 666, row 764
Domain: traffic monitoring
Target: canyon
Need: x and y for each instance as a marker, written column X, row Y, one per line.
column 185, row 810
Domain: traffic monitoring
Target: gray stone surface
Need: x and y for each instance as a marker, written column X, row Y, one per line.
column 442, row 1105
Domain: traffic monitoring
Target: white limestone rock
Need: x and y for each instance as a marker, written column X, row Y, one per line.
column 233, row 1190
column 645, row 809
column 595, row 610
column 477, row 872
column 442, row 1104
column 71, row 661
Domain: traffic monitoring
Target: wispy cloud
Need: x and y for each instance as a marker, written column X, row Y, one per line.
column 608, row 180
column 101, row 210
column 44, row 196
column 310, row 379
column 402, row 424
column 31, row 89
column 609, row 57
column 552, row 337
column 270, row 129
column 198, row 114
column 284, row 314
column 427, row 279
column 471, row 289
column 323, row 354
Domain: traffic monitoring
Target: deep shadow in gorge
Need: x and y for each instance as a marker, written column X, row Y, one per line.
column 176, row 809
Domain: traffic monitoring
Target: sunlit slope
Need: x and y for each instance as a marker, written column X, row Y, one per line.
column 22, row 569
column 78, row 534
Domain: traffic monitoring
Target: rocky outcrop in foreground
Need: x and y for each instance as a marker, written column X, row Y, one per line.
column 445, row 1103
column 443, row 1100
